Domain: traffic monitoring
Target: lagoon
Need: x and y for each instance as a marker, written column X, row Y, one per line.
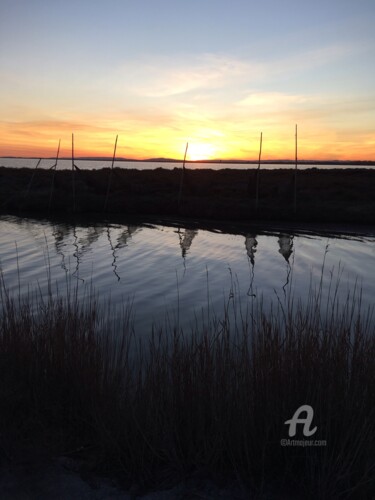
column 182, row 272
column 94, row 164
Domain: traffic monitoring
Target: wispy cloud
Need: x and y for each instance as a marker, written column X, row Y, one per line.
column 273, row 101
column 303, row 60
column 163, row 77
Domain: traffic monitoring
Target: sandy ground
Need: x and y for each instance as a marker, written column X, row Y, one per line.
column 59, row 480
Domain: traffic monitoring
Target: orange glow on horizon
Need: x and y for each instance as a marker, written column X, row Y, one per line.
column 40, row 140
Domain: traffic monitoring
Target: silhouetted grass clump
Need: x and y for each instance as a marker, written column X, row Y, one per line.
column 159, row 408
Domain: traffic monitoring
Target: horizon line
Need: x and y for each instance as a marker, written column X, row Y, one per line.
column 214, row 160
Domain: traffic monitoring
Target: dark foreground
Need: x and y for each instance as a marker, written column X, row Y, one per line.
column 200, row 414
column 335, row 196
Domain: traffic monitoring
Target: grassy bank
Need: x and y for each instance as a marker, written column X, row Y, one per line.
column 210, row 402
column 341, row 195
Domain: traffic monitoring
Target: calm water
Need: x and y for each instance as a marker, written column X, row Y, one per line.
column 159, row 267
column 96, row 164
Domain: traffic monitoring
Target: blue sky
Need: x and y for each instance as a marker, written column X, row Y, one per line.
column 215, row 73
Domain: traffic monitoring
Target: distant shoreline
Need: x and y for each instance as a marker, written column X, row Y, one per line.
column 215, row 161
column 322, row 195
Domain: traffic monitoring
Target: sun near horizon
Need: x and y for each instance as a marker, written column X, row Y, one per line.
column 94, row 145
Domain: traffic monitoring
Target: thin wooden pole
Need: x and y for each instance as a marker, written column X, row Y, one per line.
column 31, row 181
column 73, row 176
column 295, row 171
column 182, row 176
column 54, row 168
column 258, row 173
column 110, row 175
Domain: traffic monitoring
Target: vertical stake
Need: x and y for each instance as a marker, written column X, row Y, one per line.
column 182, row 176
column 54, row 168
column 73, row 176
column 258, row 173
column 30, row 182
column 110, row 175
column 295, row 172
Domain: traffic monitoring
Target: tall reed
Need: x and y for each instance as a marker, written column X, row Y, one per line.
column 110, row 175
column 295, row 172
column 182, row 176
column 54, row 168
column 156, row 408
column 258, row 174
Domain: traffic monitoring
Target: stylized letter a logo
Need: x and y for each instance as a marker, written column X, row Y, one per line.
column 305, row 421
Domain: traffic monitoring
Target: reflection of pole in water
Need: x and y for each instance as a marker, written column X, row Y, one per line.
column 285, row 242
column 251, row 247
column 126, row 235
column 114, row 265
column 86, row 242
column 62, row 231
column 91, row 237
column 76, row 254
column 122, row 241
column 58, row 233
column 183, row 256
column 186, row 240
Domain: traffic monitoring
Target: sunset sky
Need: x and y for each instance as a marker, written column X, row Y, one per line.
column 215, row 73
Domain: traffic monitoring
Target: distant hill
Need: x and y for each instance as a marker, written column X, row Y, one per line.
column 216, row 160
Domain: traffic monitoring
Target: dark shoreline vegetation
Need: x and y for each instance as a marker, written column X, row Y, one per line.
column 322, row 196
column 211, row 402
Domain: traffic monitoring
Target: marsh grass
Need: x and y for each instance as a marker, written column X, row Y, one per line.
column 159, row 408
